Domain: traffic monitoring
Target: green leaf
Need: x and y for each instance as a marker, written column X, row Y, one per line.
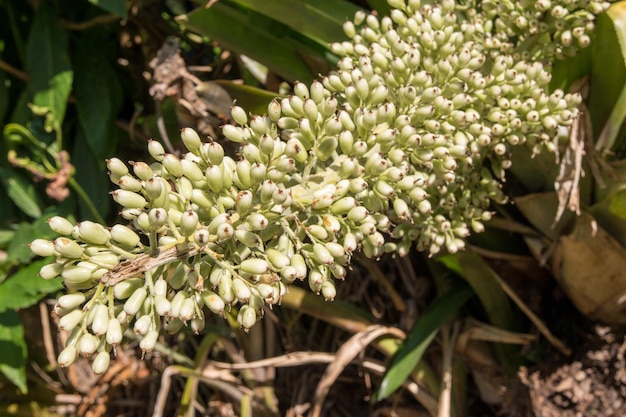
column 419, row 338
column 4, row 93
column 48, row 63
column 18, row 251
column 318, row 19
column 607, row 99
column 13, row 348
column 479, row 276
column 617, row 204
column 91, row 175
column 117, row 7
column 253, row 99
column 26, row 287
column 98, row 94
column 21, row 191
column 283, row 50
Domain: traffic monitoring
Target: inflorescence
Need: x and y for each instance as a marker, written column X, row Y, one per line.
column 405, row 144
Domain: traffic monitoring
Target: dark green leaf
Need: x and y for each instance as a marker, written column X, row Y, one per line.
column 98, row 94
column 254, row 100
column 21, row 191
column 117, row 7
column 607, row 99
column 18, row 251
column 317, row 19
column 13, row 348
column 25, row 287
column 617, row 204
column 419, row 338
column 91, row 175
column 4, row 95
column 48, row 63
column 479, row 276
column 282, row 49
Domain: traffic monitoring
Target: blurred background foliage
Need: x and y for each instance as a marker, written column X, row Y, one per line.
column 83, row 82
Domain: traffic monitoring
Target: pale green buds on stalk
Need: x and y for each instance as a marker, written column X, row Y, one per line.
column 386, row 152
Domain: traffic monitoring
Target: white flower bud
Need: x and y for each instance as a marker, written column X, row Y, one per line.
column 135, row 301
column 67, row 356
column 87, row 344
column 101, row 362
column 114, row 332
column 143, row 325
column 42, row 247
column 149, row 341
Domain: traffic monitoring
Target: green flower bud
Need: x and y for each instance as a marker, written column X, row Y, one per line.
column 128, row 199
column 162, row 306
column 191, row 139
column 156, row 150
column 322, row 255
column 188, row 223
column 100, row 322
column 254, row 266
column 241, row 290
column 213, row 175
column 239, row 115
column 246, row 317
column 124, row 289
column 225, row 288
column 124, row 236
column 233, row 133
column 135, row 301
column 173, row 165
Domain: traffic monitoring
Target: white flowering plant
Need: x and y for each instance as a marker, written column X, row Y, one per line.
column 403, row 147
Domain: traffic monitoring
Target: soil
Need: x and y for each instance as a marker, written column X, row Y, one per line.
column 592, row 382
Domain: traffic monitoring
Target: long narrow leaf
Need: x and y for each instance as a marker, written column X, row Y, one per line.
column 419, row 338
column 607, row 100
column 282, row 49
column 319, row 19
column 14, row 352
column 48, row 63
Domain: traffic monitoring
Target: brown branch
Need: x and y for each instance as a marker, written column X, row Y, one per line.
column 6, row 67
column 98, row 20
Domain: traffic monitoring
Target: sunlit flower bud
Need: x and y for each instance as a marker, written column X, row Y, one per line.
column 254, row 266
column 191, row 139
column 42, row 247
column 239, row 115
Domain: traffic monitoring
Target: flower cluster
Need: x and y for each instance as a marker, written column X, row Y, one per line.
column 537, row 29
column 406, row 143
